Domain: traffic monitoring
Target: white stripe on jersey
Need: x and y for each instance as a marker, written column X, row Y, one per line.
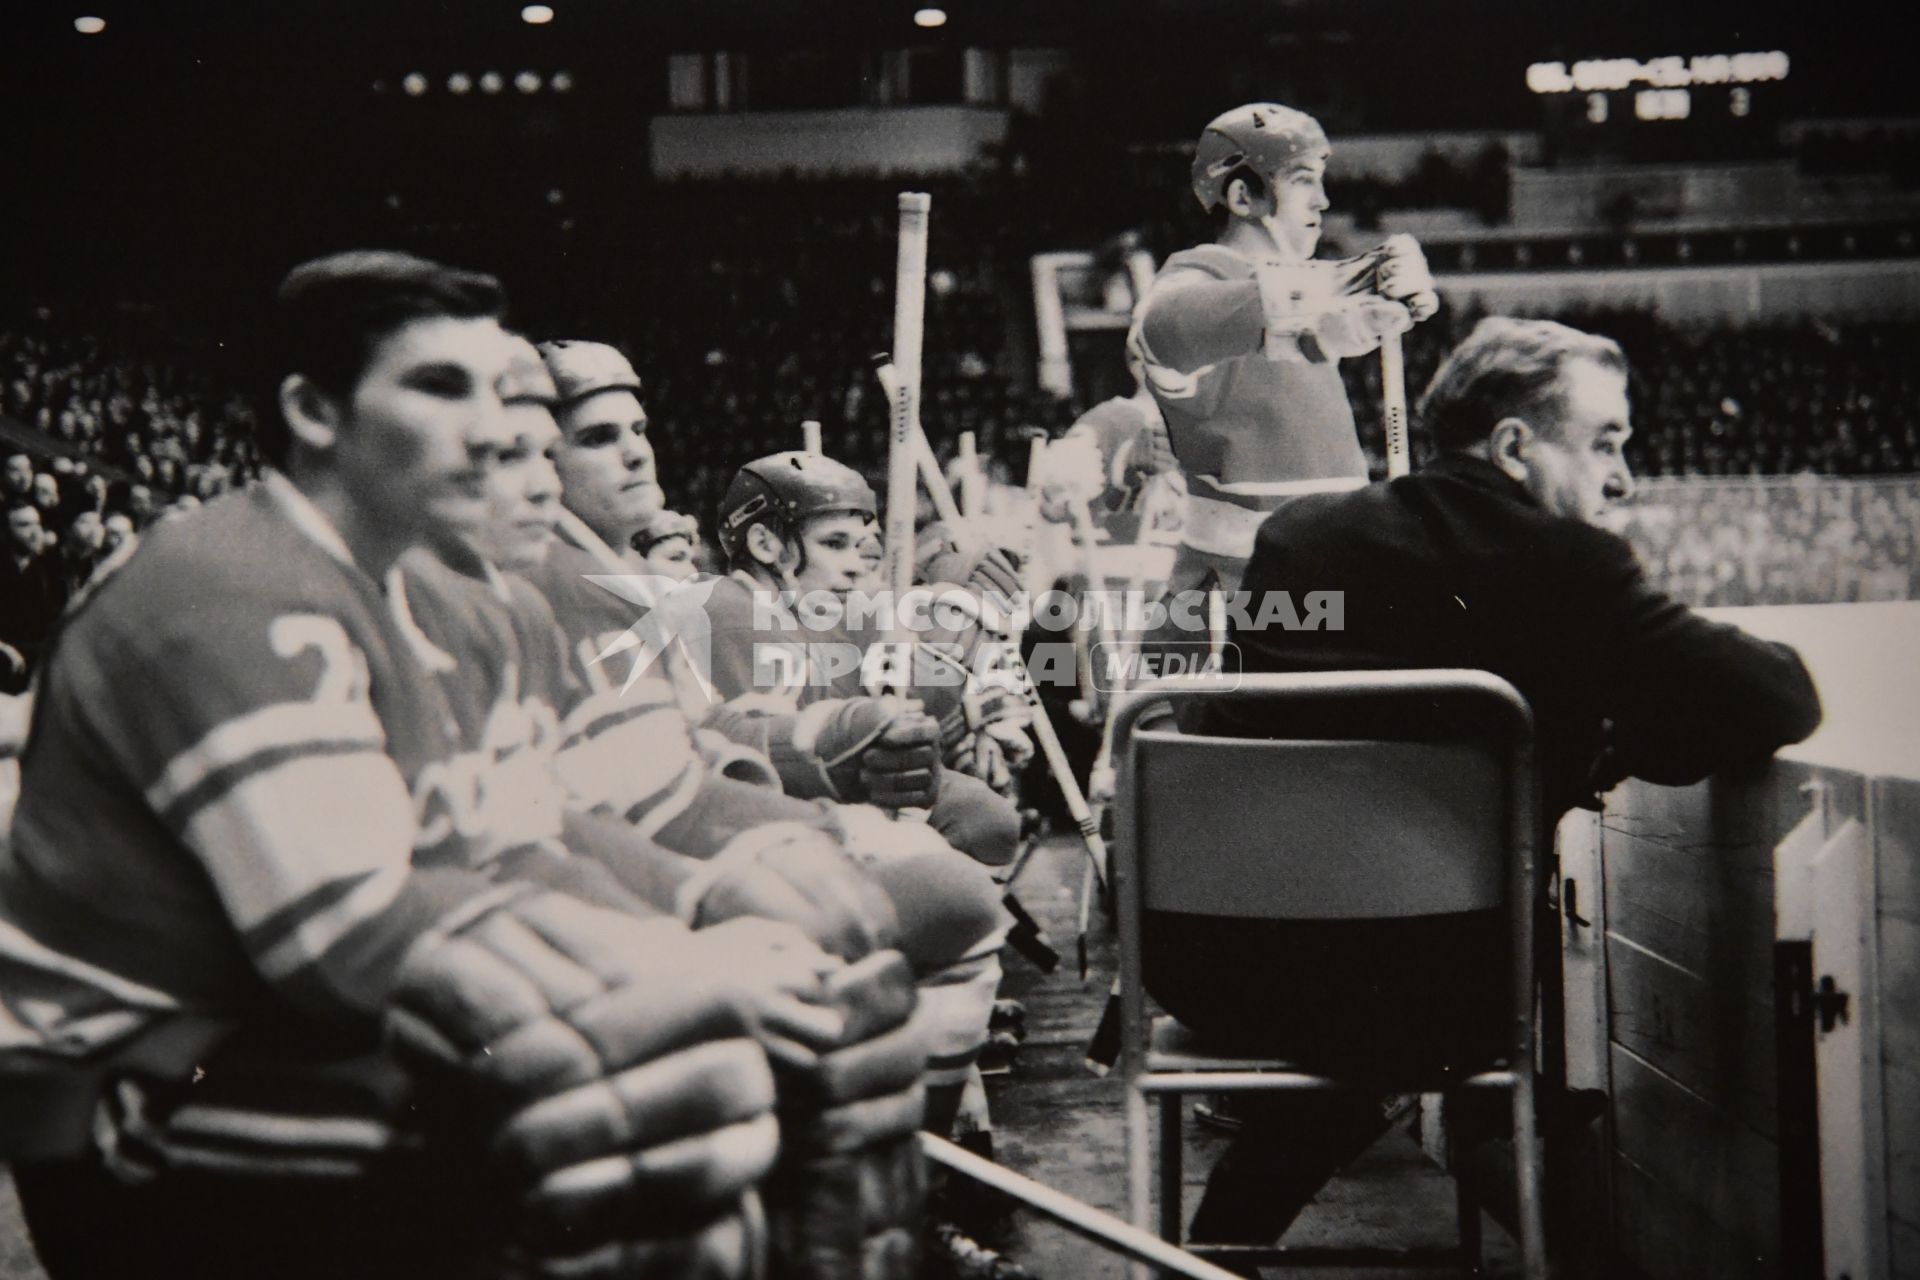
column 314, row 936
column 46, row 1025
column 673, row 804
column 281, row 726
column 624, row 765
column 1284, row 488
column 282, row 833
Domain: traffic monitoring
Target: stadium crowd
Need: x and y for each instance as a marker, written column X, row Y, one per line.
column 780, row 296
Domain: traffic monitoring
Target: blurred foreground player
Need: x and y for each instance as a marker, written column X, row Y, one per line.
column 850, row 1091
column 1241, row 338
column 266, row 1011
column 1489, row 558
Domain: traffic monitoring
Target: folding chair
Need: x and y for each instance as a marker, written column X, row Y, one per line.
column 1436, row 817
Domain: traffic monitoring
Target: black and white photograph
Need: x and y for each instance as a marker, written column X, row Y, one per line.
column 959, row 640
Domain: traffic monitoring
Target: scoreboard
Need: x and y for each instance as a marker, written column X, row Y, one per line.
column 1670, row 107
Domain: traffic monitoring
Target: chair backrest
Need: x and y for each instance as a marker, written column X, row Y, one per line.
column 1326, row 829
column 1432, row 816
column 1317, row 830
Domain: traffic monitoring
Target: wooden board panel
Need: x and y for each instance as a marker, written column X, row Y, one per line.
column 1903, row 1143
column 1583, row 949
column 1721, row 1049
column 1707, row 909
column 1665, row 1240
column 1900, row 991
column 1709, row 1161
column 1896, row 823
column 1903, row 1241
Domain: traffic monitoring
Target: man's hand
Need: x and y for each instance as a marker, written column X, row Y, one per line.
column 1070, row 473
column 796, row 873
column 901, row 770
column 1151, row 454
column 1357, row 325
column 778, row 976
column 966, row 554
column 1403, row 276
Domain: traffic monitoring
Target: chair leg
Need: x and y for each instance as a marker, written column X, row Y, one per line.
column 1526, row 1172
column 1467, row 1209
column 1171, row 1151
column 1139, row 1171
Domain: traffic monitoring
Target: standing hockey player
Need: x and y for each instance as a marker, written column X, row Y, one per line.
column 1241, row 336
column 247, row 907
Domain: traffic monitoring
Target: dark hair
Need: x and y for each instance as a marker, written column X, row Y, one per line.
column 1507, row 368
column 330, row 313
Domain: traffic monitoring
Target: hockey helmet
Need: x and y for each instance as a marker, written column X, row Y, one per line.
column 1262, row 136
column 581, row 369
column 783, row 489
column 664, row 524
column 527, row 379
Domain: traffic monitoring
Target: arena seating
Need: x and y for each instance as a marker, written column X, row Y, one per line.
column 780, row 289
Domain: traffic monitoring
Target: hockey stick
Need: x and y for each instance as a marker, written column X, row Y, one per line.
column 1049, row 738
column 909, row 327
column 1101, row 1228
column 1081, row 521
column 1393, row 396
column 970, row 478
column 925, row 464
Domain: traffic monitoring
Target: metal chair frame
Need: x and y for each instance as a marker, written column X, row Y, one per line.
column 1151, row 1065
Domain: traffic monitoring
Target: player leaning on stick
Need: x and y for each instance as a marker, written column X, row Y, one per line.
column 1241, row 338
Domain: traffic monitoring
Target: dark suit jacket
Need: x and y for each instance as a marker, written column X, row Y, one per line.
column 1458, row 566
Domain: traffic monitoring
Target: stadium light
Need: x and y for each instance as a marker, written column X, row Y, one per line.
column 562, row 82
column 459, row 83
column 527, row 82
column 537, row 15
column 89, row 25
column 415, row 84
column 491, row 82
column 930, row 18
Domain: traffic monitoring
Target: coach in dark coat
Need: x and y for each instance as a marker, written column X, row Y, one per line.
column 1491, row 557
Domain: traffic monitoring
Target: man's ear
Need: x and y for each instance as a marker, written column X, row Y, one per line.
column 1242, row 202
column 765, row 546
column 1507, row 447
column 312, row 416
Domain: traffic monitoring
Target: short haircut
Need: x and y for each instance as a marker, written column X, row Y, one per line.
column 1507, row 368
column 330, row 314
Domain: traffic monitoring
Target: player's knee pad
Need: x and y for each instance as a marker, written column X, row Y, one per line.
column 976, row 820
column 947, row 906
column 956, row 1004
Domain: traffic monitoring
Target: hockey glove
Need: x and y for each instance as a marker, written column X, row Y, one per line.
column 1355, row 326
column 1403, row 276
column 601, row 1067
column 797, row 873
column 967, row 554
